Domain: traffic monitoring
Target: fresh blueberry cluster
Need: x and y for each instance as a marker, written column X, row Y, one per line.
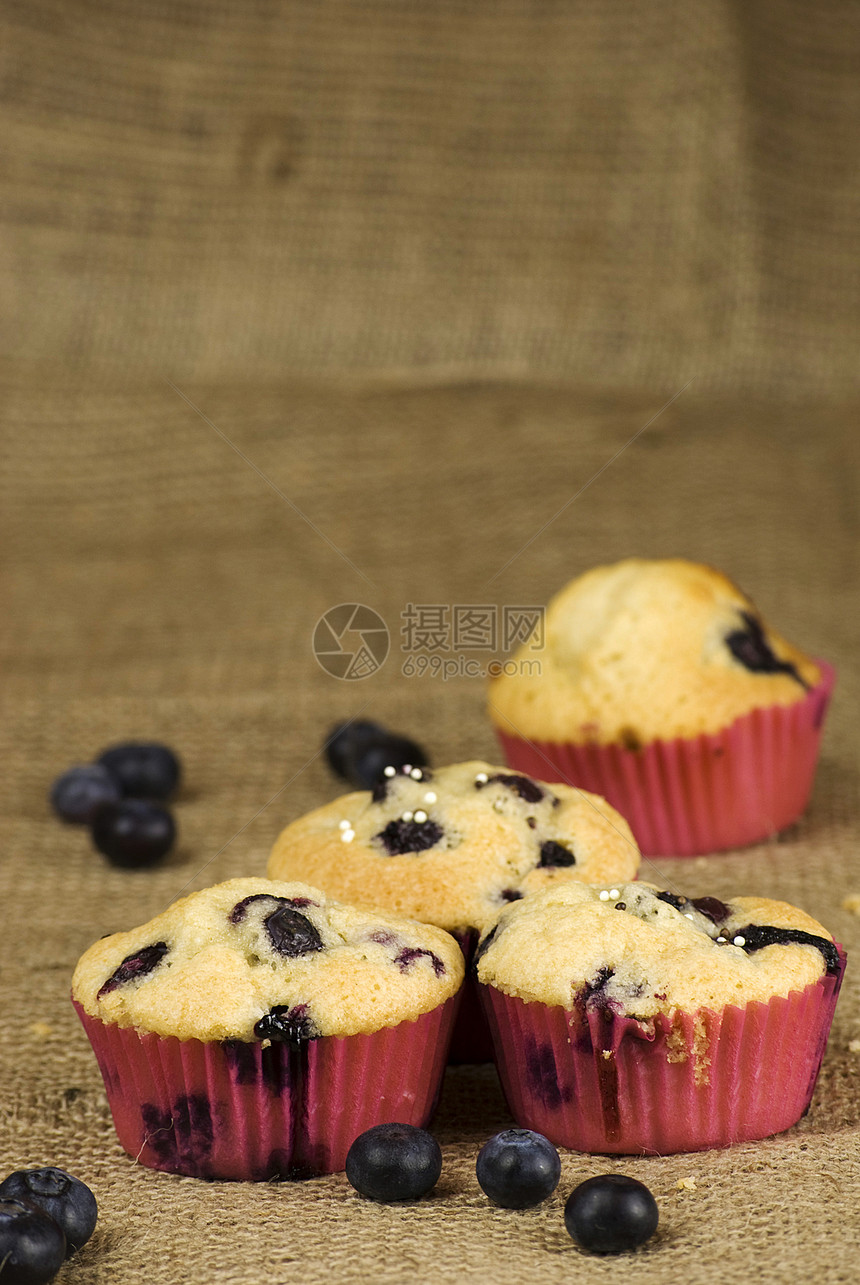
column 360, row 751
column 45, row 1215
column 516, row 1169
column 119, row 797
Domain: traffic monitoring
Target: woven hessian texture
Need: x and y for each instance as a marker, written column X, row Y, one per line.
column 418, row 273
column 619, row 191
column 162, row 588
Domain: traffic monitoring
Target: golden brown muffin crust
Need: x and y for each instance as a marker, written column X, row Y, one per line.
column 213, row 964
column 641, row 951
column 492, row 836
column 644, row 650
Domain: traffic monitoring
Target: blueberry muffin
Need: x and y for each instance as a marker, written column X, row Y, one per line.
column 631, row 1019
column 256, row 1028
column 662, row 688
column 454, row 845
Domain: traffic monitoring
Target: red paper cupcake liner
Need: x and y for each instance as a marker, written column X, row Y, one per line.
column 471, row 1041
column 601, row 1083
column 243, row 1111
column 698, row 794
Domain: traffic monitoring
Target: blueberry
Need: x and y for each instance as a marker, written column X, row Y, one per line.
column 408, row 955
column 518, row 1168
column 750, row 647
column 611, row 1214
column 285, row 1025
column 671, row 899
column 144, row 769
column 133, row 833
column 483, row 946
column 291, row 933
column 394, row 1162
column 712, row 908
column 402, row 836
column 757, row 936
column 32, row 1245
column 361, row 751
column 62, row 1197
column 77, row 795
column 528, row 790
column 594, row 991
column 555, row 854
column 134, row 966
column 240, row 910
column 345, row 740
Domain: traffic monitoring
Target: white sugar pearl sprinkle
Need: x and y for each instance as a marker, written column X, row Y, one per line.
column 416, row 774
column 430, row 797
column 739, row 941
column 604, row 895
column 344, row 825
column 481, row 778
column 347, row 835
column 614, row 892
column 406, row 769
column 420, row 816
column 389, row 771
column 721, row 941
column 689, row 916
column 407, row 816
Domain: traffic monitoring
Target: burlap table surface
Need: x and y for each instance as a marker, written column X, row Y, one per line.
column 422, row 271
column 625, row 191
column 162, row 588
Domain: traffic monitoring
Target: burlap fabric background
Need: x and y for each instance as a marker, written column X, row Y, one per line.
column 424, row 270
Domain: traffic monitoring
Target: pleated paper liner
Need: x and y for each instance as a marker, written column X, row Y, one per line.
column 601, row 1083
column 471, row 1041
column 698, row 794
column 244, row 1111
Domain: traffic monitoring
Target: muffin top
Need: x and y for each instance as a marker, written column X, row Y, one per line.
column 638, row 951
column 452, row 846
column 254, row 959
column 645, row 650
